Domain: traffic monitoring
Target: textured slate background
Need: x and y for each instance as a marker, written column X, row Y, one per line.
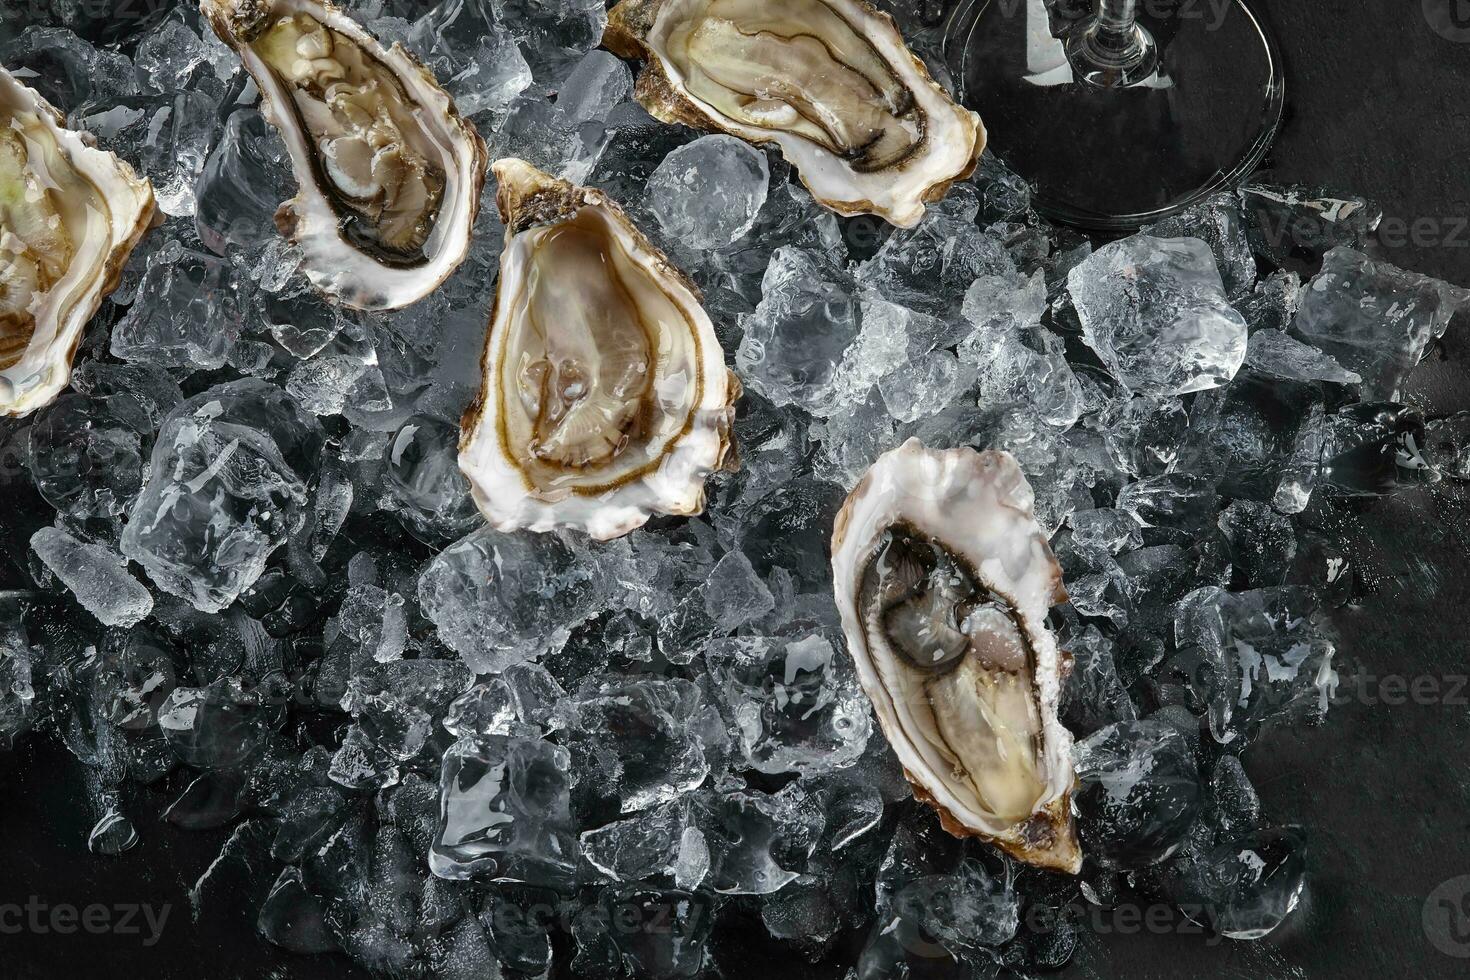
column 1377, row 104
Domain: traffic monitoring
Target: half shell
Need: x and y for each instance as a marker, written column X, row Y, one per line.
column 605, row 397
column 389, row 175
column 943, row 580
column 70, row 214
column 830, row 82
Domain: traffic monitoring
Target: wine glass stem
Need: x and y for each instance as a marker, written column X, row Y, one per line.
column 1113, row 48
column 1117, row 15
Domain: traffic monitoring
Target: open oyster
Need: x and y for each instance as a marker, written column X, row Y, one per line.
column 943, row 579
column 605, row 397
column 70, row 214
column 389, row 174
column 830, row 82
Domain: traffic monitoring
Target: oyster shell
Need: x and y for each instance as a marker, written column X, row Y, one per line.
column 389, row 175
column 605, row 397
column 70, row 214
column 830, row 82
column 943, row 580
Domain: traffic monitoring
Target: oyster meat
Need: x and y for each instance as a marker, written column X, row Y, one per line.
column 70, row 214
column 389, row 175
column 605, row 396
column 943, row 580
column 830, row 82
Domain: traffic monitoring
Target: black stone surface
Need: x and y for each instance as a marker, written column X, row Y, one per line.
column 1379, row 103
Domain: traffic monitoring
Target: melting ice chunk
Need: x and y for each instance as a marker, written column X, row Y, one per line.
column 1155, row 311
column 504, row 812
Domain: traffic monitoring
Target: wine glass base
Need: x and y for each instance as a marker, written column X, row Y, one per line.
column 1110, row 149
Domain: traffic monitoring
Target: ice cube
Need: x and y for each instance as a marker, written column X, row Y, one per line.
column 758, row 842
column 520, row 930
column 1294, row 218
column 504, row 812
column 359, row 763
column 216, row 727
column 600, row 82
column 647, row 932
column 804, row 915
column 1018, row 365
column 291, row 917
column 1093, row 695
column 922, row 387
column 479, row 64
column 665, row 578
column 1234, row 805
column 1003, row 194
column 245, row 178
column 1262, row 542
column 399, row 704
column 1112, row 530
column 795, row 703
column 1138, row 792
column 1364, row 450
column 1276, row 353
column 168, row 135
column 499, row 599
column 639, row 741
column 1264, row 659
column 134, row 673
column 1219, row 222
column 1143, row 435
column 788, row 529
column 168, row 56
column 638, row 848
column 937, row 912
column 519, row 701
column 424, row 483
column 553, row 33
column 96, row 575
column 889, row 336
column 1245, row 434
column 707, row 194
column 87, row 448
column 226, row 484
column 850, row 441
column 798, row 335
column 1154, row 310
column 1174, row 506
column 928, row 268
column 537, row 131
column 1245, row 885
column 17, row 696
column 735, row 594
column 1374, row 318
column 66, row 69
column 964, row 910
column 344, row 377
column 188, row 312
column 1273, row 303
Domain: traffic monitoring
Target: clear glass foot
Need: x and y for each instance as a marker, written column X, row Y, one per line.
column 1124, row 115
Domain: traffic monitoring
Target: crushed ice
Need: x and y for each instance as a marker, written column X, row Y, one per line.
column 243, row 571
